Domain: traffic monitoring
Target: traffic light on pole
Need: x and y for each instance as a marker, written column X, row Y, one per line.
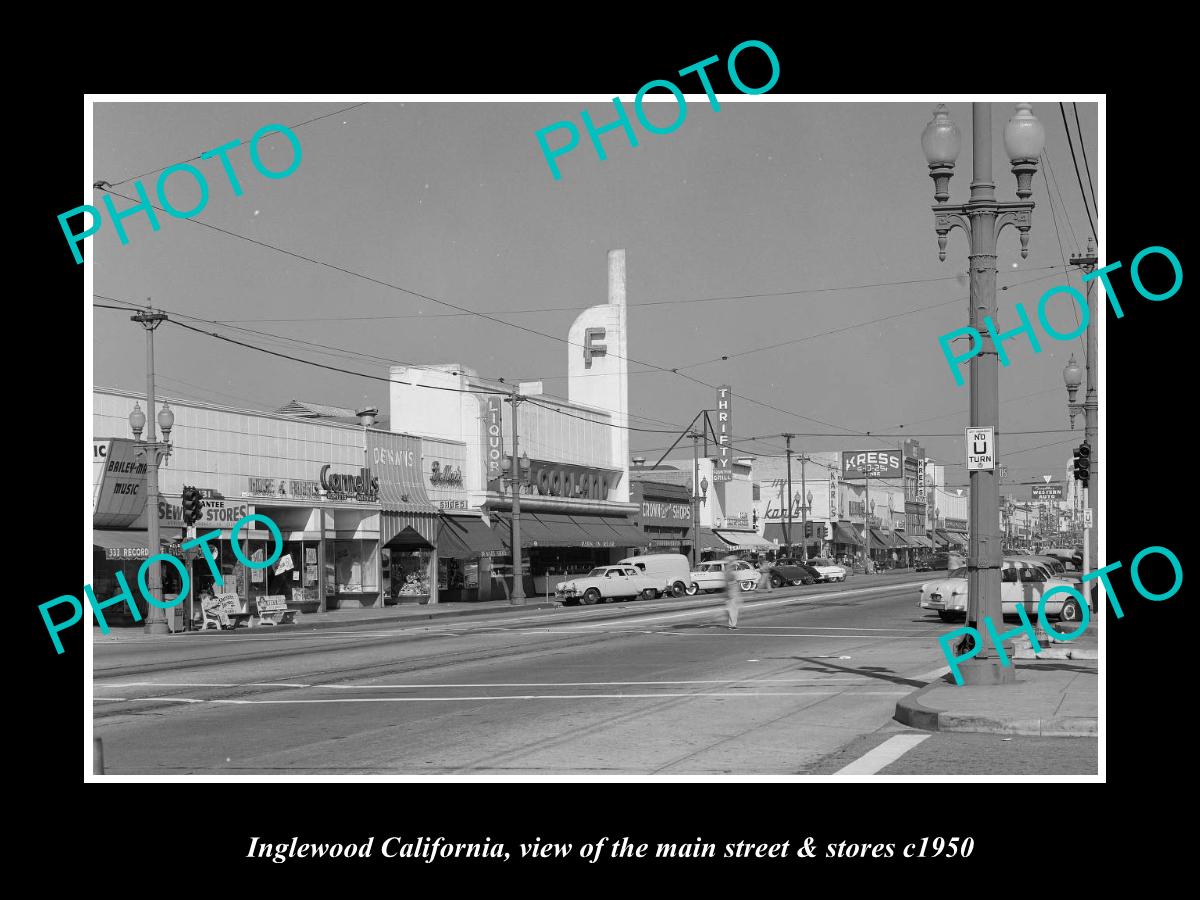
column 193, row 509
column 1083, row 463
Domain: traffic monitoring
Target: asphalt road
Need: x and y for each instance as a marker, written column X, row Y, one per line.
column 641, row 688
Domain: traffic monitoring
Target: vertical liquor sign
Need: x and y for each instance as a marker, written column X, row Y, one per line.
column 723, row 471
column 493, row 435
column 834, row 510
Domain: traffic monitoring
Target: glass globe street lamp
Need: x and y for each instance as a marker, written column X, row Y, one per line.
column 982, row 218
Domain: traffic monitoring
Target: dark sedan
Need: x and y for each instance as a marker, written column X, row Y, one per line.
column 792, row 571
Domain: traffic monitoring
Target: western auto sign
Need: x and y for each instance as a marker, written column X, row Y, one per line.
column 1047, row 492
column 875, row 463
column 723, row 470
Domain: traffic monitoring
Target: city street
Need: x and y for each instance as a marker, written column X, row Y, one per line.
column 643, row 688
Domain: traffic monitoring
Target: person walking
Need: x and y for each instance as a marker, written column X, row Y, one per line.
column 764, row 575
column 733, row 591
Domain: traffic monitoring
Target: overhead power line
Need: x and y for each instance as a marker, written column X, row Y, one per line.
column 1078, row 177
column 199, row 155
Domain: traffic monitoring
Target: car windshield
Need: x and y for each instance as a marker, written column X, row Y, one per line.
column 819, row 561
column 957, row 573
column 597, row 572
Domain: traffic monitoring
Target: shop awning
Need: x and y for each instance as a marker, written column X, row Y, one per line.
column 709, row 540
column 900, row 540
column 419, row 519
column 845, row 534
column 918, row 540
column 879, row 540
column 743, row 540
column 626, row 533
column 774, row 531
column 547, row 530
column 462, row 537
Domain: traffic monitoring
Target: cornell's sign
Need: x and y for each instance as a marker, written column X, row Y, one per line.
column 875, row 463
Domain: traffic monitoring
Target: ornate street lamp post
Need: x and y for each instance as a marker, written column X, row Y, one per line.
column 155, row 452
column 982, row 218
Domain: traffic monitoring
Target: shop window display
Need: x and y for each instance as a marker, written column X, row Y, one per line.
column 409, row 574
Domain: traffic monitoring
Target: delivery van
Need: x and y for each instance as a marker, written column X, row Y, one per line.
column 672, row 569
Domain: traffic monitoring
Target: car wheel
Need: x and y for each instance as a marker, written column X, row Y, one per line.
column 693, row 589
column 776, row 581
column 678, row 589
column 649, row 594
column 1071, row 611
column 748, row 586
column 590, row 597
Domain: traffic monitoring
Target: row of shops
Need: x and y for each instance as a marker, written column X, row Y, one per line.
column 368, row 517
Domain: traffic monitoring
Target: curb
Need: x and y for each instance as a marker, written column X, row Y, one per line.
column 910, row 711
column 412, row 617
column 314, row 623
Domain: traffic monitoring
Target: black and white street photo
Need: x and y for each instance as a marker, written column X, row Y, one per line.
column 705, row 433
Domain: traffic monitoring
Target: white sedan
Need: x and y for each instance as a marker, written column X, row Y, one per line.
column 710, row 576
column 1021, row 582
column 830, row 571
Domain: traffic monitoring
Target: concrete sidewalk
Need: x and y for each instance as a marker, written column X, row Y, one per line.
column 401, row 612
column 1056, row 695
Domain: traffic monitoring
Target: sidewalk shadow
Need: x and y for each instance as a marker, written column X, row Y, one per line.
column 878, row 672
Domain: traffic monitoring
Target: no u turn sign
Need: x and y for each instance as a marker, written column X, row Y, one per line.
column 981, row 449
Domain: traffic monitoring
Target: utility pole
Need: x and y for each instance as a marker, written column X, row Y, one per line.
column 804, row 506
column 156, row 616
column 517, row 598
column 787, row 532
column 1091, row 554
column 695, row 497
column 866, row 520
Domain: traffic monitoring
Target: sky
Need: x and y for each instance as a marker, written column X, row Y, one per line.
column 826, row 206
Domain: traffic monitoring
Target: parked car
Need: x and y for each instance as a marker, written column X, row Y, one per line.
column 1021, row 582
column 671, row 569
column 923, row 565
column 939, row 561
column 827, row 569
column 1066, row 557
column 609, row 583
column 788, row 571
column 710, row 576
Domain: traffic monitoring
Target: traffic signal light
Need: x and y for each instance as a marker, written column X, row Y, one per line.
column 193, row 506
column 1083, row 463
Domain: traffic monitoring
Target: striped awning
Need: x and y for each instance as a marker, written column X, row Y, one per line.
column 743, row 540
column 409, row 529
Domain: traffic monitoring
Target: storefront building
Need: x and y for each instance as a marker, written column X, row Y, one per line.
column 664, row 515
column 572, row 469
column 358, row 521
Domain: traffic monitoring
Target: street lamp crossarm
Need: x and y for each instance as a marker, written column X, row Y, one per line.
column 1018, row 215
column 945, row 220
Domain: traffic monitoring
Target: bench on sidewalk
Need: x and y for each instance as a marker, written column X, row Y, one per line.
column 273, row 610
column 222, row 611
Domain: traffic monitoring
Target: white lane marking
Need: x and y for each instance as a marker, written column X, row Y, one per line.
column 124, row 684
column 841, row 628
column 933, row 673
column 740, row 694
column 883, row 755
column 98, row 699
